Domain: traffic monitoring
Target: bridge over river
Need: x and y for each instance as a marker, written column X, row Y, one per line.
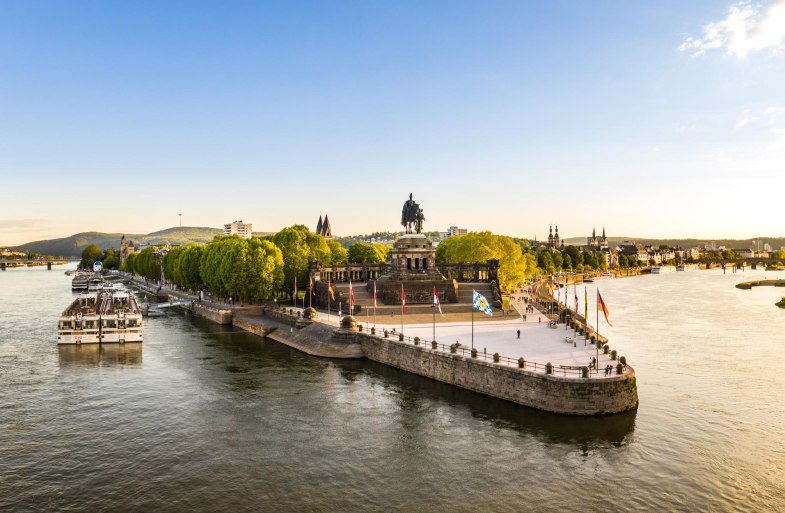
column 37, row 261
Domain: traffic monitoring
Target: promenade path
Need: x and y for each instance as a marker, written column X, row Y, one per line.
column 539, row 343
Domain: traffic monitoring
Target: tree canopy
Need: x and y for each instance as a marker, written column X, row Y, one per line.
column 479, row 247
column 299, row 246
column 89, row 255
column 365, row 253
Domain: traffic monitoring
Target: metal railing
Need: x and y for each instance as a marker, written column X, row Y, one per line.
column 467, row 353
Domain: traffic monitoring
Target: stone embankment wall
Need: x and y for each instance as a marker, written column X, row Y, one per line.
column 573, row 396
column 319, row 340
column 219, row 316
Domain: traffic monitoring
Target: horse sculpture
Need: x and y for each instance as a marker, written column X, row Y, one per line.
column 412, row 216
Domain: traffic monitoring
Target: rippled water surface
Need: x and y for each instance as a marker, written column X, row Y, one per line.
column 204, row 418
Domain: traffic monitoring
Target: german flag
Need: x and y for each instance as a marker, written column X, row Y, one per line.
column 330, row 290
column 603, row 308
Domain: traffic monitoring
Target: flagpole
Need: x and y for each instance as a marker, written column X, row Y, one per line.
column 403, row 305
column 586, row 314
column 472, row 326
column 597, row 331
column 329, row 288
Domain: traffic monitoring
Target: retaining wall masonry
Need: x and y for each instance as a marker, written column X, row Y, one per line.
column 573, row 396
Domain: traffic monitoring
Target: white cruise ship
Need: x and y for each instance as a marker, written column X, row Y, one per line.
column 103, row 317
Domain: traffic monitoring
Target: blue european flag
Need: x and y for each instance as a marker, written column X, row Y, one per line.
column 480, row 303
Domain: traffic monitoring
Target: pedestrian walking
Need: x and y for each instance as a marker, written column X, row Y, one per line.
column 539, row 320
column 519, row 333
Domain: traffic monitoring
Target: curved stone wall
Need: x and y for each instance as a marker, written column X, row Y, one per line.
column 556, row 394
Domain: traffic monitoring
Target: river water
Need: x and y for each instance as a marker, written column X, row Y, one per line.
column 204, row 418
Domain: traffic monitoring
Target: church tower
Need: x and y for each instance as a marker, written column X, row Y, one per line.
column 327, row 232
column 323, row 228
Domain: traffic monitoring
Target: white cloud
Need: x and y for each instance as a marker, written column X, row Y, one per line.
column 743, row 122
column 746, row 29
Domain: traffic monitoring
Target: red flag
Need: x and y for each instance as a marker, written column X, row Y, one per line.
column 604, row 309
column 436, row 301
column 295, row 289
column 403, row 298
column 575, row 290
column 351, row 293
column 330, row 289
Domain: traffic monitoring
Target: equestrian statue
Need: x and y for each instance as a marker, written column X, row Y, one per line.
column 412, row 216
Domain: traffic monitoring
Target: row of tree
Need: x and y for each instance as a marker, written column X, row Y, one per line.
column 256, row 268
column 249, row 269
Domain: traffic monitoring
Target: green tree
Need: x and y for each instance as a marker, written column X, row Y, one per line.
column 299, row 246
column 545, row 261
column 264, row 268
column 90, row 255
column 110, row 259
column 479, row 247
column 574, row 253
column 128, row 266
column 190, row 261
column 171, row 265
column 364, row 253
column 338, row 254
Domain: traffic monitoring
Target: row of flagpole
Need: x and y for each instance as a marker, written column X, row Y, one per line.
column 601, row 306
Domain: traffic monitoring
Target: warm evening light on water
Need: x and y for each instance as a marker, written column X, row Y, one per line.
column 350, row 256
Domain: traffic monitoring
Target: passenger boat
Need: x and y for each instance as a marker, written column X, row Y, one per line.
column 102, row 317
column 680, row 267
column 662, row 269
column 79, row 282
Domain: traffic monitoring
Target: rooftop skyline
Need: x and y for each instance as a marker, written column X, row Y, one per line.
column 663, row 121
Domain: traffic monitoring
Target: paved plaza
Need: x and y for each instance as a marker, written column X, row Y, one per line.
column 539, row 342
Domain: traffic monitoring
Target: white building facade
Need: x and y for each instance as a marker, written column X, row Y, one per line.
column 244, row 230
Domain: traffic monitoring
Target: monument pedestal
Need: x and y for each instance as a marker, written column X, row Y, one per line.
column 413, row 267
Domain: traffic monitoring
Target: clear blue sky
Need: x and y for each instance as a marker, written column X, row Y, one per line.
column 658, row 119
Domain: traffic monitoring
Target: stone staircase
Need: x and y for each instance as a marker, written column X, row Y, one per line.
column 364, row 299
column 466, row 294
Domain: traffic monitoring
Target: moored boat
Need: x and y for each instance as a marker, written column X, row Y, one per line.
column 105, row 316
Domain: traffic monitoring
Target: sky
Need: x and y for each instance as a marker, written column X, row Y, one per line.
column 654, row 119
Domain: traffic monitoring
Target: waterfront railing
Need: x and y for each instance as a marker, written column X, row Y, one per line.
column 520, row 363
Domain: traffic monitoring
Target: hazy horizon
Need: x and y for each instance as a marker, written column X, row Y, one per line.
column 663, row 119
column 572, row 238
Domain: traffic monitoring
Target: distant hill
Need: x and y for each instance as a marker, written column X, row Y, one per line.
column 73, row 245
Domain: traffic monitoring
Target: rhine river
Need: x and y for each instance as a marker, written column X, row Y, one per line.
column 208, row 419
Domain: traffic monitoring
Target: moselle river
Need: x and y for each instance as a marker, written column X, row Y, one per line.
column 204, row 418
